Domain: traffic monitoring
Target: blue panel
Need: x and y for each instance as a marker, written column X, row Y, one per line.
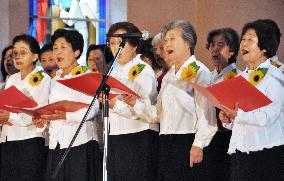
column 102, row 25
column 33, row 14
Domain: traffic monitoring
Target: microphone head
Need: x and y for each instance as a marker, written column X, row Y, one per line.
column 145, row 35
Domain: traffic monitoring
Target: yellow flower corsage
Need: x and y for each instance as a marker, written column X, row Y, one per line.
column 36, row 78
column 79, row 70
column 230, row 74
column 256, row 76
column 189, row 72
column 135, row 71
column 275, row 64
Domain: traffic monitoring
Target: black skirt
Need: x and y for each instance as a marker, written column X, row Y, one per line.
column 216, row 159
column 258, row 166
column 133, row 157
column 83, row 163
column 174, row 155
column 23, row 160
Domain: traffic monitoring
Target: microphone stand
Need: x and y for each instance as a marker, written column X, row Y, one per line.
column 102, row 88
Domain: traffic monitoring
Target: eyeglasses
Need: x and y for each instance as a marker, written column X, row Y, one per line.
column 21, row 53
column 114, row 43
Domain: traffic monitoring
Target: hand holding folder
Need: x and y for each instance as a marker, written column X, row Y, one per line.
column 14, row 97
column 89, row 83
column 66, row 106
column 13, row 100
column 11, row 97
column 232, row 91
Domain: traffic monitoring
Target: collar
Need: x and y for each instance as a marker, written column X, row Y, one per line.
column 36, row 69
column 265, row 64
column 191, row 59
column 132, row 62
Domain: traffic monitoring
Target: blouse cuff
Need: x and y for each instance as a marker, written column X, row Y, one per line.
column 199, row 143
column 139, row 107
column 73, row 117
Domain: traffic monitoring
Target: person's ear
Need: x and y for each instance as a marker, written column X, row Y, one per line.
column 35, row 57
column 231, row 54
column 77, row 53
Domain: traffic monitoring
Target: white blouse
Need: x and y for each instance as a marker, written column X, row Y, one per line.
column 22, row 127
column 180, row 109
column 123, row 119
column 62, row 131
column 263, row 127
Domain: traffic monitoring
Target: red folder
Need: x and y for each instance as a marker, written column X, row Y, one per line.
column 232, row 91
column 66, row 106
column 14, row 97
column 89, row 83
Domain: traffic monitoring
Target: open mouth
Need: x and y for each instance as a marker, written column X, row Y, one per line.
column 170, row 51
column 18, row 63
column 60, row 59
column 244, row 52
column 215, row 57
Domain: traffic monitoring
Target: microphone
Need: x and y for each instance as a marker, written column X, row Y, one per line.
column 144, row 35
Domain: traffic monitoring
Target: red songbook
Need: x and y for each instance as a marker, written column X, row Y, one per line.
column 232, row 91
column 14, row 97
column 66, row 106
column 89, row 83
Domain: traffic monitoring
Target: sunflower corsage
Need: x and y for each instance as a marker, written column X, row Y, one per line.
column 189, row 72
column 36, row 78
column 135, row 71
column 256, row 76
column 79, row 70
column 231, row 74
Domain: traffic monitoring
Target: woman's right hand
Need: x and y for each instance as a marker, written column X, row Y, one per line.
column 130, row 99
column 223, row 117
column 39, row 122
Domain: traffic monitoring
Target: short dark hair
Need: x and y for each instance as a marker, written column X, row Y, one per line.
column 71, row 36
column 128, row 27
column 3, row 71
column 266, row 38
column 29, row 40
column 46, row 48
column 231, row 38
column 105, row 50
column 274, row 27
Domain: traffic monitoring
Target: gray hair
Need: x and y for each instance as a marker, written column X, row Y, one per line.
column 157, row 39
column 189, row 34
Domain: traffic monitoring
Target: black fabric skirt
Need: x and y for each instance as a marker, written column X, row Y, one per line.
column 133, row 157
column 216, row 160
column 83, row 163
column 23, row 160
column 174, row 155
column 258, row 166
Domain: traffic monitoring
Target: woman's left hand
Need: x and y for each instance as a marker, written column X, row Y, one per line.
column 57, row 115
column 39, row 122
column 111, row 102
column 130, row 100
column 231, row 113
column 4, row 115
column 196, row 155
